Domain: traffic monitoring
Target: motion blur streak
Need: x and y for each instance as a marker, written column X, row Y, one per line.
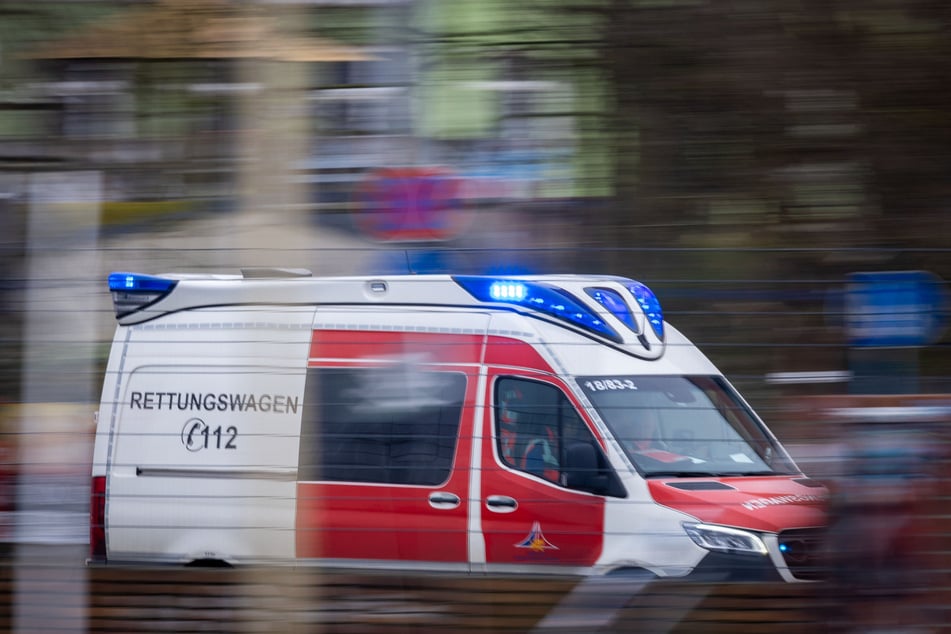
column 745, row 159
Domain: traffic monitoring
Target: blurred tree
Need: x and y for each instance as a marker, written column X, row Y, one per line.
column 827, row 112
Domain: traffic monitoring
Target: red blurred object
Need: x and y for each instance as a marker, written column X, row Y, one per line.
column 411, row 204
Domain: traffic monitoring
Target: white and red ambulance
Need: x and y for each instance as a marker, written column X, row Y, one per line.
column 533, row 424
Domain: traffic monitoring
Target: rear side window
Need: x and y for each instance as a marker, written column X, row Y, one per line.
column 381, row 425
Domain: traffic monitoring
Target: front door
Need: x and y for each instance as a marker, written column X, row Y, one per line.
column 530, row 516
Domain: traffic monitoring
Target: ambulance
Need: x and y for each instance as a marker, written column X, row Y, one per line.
column 441, row 423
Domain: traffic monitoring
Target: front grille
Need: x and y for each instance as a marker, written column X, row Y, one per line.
column 801, row 549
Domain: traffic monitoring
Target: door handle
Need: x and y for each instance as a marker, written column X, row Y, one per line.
column 501, row 503
column 443, row 500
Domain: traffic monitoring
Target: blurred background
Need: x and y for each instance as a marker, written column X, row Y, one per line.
column 776, row 171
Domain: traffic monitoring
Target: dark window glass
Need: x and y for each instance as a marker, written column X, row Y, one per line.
column 685, row 424
column 388, row 425
column 536, row 428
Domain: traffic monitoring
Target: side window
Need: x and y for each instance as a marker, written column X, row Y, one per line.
column 538, row 431
column 380, row 425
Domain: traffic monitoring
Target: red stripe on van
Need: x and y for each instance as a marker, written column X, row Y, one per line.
column 505, row 351
column 769, row 503
column 367, row 345
column 364, row 346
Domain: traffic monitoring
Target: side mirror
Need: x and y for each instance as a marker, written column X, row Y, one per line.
column 582, row 471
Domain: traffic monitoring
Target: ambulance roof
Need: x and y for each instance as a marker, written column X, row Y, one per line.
column 616, row 310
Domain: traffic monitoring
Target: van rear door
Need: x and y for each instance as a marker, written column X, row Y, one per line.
column 204, row 437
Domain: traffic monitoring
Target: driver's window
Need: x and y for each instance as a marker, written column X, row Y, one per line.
column 528, row 429
column 535, row 424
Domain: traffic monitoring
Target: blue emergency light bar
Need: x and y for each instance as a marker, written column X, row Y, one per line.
column 615, row 304
column 134, row 291
column 649, row 304
column 539, row 297
column 139, row 283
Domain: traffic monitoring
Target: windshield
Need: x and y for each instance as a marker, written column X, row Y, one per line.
column 685, row 426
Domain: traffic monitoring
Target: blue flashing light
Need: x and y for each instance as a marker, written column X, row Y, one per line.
column 615, row 304
column 139, row 283
column 783, row 548
column 504, row 291
column 539, row 297
column 650, row 305
column 134, row 291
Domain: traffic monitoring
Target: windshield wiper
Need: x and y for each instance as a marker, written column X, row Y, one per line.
column 709, row 474
column 680, row 474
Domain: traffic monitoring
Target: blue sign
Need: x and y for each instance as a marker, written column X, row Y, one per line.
column 895, row 308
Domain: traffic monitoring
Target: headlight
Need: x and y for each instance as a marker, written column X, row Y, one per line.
column 725, row 540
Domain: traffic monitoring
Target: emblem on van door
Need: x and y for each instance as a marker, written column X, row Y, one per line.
column 536, row 541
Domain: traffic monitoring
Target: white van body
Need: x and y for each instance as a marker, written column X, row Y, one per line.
column 433, row 423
